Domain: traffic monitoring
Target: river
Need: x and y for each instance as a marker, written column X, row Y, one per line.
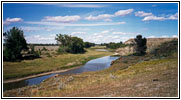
column 92, row 65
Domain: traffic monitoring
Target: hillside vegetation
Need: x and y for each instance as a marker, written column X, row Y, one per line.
column 152, row 75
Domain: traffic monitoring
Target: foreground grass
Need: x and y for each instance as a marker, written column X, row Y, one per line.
column 40, row 65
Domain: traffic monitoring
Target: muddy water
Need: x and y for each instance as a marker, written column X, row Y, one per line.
column 92, row 65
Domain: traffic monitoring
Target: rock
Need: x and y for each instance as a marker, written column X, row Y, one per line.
column 125, row 50
column 56, row 75
column 57, row 80
column 71, row 78
column 112, row 76
column 61, row 86
column 53, row 84
column 19, row 91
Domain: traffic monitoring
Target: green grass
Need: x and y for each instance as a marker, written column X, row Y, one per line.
column 40, row 65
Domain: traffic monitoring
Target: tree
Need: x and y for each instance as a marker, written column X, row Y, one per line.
column 113, row 45
column 88, row 44
column 14, row 43
column 69, row 44
column 140, row 45
column 77, row 45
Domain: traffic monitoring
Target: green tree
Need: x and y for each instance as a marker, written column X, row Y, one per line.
column 140, row 45
column 77, row 45
column 69, row 44
column 113, row 45
column 14, row 43
column 88, row 44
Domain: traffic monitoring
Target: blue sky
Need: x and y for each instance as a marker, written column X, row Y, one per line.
column 93, row 22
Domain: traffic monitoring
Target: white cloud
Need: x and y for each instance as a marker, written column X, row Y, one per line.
column 148, row 18
column 154, row 5
column 40, row 39
column 12, row 20
column 152, row 36
column 52, row 35
column 84, row 5
column 38, row 28
column 106, row 17
column 37, row 36
column 123, row 12
column 107, row 36
column 104, row 32
column 164, row 36
column 107, row 20
column 68, row 24
column 174, row 36
column 82, row 29
column 142, row 14
column 77, row 33
column 173, row 17
column 120, row 33
column 76, row 5
column 62, row 19
column 103, row 16
column 29, row 29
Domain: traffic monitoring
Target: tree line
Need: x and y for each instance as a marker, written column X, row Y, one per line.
column 113, row 45
column 15, row 43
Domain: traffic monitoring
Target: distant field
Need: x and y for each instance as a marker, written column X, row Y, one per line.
column 49, row 48
column 45, row 64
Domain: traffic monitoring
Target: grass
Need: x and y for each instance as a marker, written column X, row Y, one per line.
column 40, row 65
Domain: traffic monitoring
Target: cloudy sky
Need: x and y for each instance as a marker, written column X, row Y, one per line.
column 93, row 22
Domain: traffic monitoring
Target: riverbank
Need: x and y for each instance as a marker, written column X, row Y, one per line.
column 38, row 75
column 41, row 66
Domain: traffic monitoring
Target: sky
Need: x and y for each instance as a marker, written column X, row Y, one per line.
column 93, row 22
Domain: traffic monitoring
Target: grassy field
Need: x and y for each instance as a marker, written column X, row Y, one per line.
column 129, row 76
column 45, row 64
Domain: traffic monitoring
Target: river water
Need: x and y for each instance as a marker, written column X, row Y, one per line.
column 92, row 65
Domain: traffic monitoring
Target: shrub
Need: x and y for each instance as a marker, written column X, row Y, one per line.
column 44, row 49
column 35, row 53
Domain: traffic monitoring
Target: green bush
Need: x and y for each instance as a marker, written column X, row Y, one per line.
column 61, row 49
column 35, row 53
column 113, row 45
column 44, row 49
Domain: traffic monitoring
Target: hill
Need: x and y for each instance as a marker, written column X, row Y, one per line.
column 152, row 43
